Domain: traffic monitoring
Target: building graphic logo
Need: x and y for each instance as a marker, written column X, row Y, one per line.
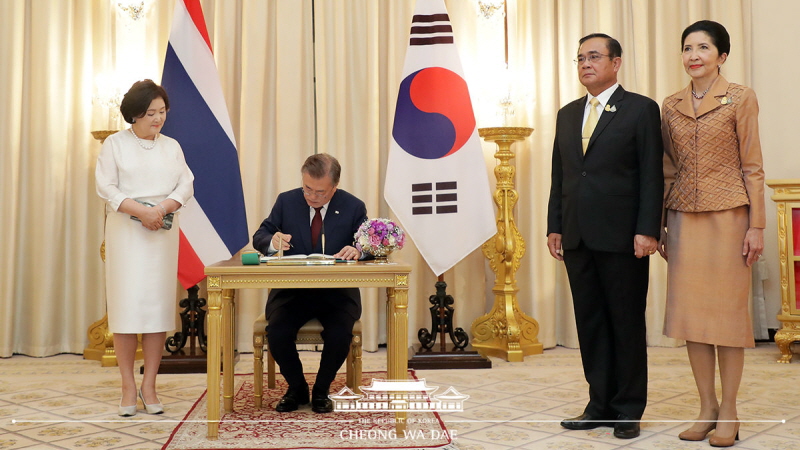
column 398, row 395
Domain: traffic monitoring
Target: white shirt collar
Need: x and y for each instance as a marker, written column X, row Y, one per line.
column 603, row 97
column 321, row 211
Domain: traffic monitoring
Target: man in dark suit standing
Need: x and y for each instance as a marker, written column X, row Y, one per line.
column 316, row 218
column 605, row 213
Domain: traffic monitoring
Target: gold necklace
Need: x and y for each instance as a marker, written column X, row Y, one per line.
column 141, row 141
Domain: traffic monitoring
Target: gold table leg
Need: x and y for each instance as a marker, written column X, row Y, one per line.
column 214, row 324
column 397, row 334
column 228, row 310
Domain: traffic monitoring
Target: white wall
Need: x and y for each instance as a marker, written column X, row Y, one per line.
column 774, row 74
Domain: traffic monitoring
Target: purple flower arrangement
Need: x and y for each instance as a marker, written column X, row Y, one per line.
column 379, row 237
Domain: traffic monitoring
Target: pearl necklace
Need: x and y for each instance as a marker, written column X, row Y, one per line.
column 141, row 141
column 700, row 97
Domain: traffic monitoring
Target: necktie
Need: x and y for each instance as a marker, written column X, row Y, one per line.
column 591, row 123
column 316, row 227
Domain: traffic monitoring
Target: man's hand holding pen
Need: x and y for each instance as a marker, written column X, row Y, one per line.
column 280, row 241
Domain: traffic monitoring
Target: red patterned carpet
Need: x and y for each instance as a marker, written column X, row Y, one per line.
column 251, row 428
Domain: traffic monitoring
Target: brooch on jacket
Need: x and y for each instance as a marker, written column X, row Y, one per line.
column 725, row 100
column 610, row 108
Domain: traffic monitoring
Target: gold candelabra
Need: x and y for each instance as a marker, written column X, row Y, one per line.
column 505, row 332
column 101, row 135
column 101, row 340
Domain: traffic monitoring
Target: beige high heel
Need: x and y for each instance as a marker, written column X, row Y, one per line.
column 155, row 408
column 719, row 441
column 689, row 435
column 126, row 411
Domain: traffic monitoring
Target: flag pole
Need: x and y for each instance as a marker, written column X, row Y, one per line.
column 458, row 354
column 436, row 174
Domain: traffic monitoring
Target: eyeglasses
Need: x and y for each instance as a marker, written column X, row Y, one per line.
column 593, row 58
column 314, row 194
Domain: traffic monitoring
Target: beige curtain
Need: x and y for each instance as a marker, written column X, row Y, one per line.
column 51, row 276
column 51, row 224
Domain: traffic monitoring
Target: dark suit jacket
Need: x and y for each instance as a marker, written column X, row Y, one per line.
column 615, row 190
column 290, row 215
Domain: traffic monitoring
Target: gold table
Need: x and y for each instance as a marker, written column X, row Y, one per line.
column 223, row 278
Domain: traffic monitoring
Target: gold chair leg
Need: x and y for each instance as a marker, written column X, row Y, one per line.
column 354, row 365
column 258, row 369
column 270, row 370
column 348, row 367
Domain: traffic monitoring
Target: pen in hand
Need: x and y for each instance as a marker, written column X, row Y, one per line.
column 284, row 241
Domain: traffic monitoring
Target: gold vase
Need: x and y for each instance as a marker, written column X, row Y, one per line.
column 381, row 254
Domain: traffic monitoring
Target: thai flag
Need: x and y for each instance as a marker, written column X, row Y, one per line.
column 436, row 180
column 213, row 227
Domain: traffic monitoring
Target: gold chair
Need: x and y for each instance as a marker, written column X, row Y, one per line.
column 310, row 333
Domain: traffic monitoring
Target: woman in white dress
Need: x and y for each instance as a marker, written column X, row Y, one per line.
column 142, row 174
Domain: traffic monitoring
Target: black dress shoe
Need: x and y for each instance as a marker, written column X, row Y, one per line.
column 292, row 399
column 626, row 428
column 584, row 422
column 320, row 403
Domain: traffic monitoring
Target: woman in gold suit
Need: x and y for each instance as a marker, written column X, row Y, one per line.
column 714, row 224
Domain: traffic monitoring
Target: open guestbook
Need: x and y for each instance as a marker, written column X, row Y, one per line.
column 313, row 259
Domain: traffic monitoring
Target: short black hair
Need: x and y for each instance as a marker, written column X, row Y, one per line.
column 718, row 34
column 138, row 98
column 322, row 164
column 614, row 49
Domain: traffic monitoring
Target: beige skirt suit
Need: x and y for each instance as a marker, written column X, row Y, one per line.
column 714, row 191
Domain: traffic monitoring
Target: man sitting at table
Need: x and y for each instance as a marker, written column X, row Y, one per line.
column 316, row 218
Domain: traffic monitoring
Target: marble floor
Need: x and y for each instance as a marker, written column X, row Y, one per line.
column 66, row 402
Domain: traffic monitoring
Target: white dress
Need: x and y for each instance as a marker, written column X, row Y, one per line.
column 141, row 265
